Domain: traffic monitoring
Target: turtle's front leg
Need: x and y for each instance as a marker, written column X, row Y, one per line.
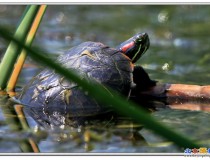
column 142, row 79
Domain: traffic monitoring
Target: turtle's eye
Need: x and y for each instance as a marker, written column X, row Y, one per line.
column 139, row 38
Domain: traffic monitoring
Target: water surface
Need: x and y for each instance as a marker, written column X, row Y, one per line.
column 179, row 53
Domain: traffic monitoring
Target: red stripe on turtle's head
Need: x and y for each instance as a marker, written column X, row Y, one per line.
column 135, row 47
column 127, row 47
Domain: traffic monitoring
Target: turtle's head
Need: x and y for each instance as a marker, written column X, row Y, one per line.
column 135, row 47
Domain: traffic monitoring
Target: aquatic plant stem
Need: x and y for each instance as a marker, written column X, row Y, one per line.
column 12, row 52
column 13, row 120
column 24, row 124
column 118, row 103
column 19, row 64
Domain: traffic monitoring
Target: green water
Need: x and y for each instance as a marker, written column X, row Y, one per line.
column 179, row 53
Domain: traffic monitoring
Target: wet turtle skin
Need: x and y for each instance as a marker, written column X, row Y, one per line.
column 49, row 94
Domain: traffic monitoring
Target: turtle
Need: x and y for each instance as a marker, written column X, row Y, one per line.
column 50, row 95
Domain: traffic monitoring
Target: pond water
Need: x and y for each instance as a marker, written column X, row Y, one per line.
column 179, row 53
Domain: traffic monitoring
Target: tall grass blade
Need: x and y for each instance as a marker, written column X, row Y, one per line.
column 13, row 49
column 19, row 64
column 98, row 92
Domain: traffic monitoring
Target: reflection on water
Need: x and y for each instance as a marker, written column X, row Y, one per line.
column 24, row 134
column 179, row 53
column 21, row 130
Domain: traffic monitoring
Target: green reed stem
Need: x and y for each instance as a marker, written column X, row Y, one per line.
column 13, row 49
column 29, row 39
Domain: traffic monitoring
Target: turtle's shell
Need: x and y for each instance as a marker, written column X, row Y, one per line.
column 52, row 94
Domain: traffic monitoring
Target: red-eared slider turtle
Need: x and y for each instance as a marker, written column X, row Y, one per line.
column 50, row 94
